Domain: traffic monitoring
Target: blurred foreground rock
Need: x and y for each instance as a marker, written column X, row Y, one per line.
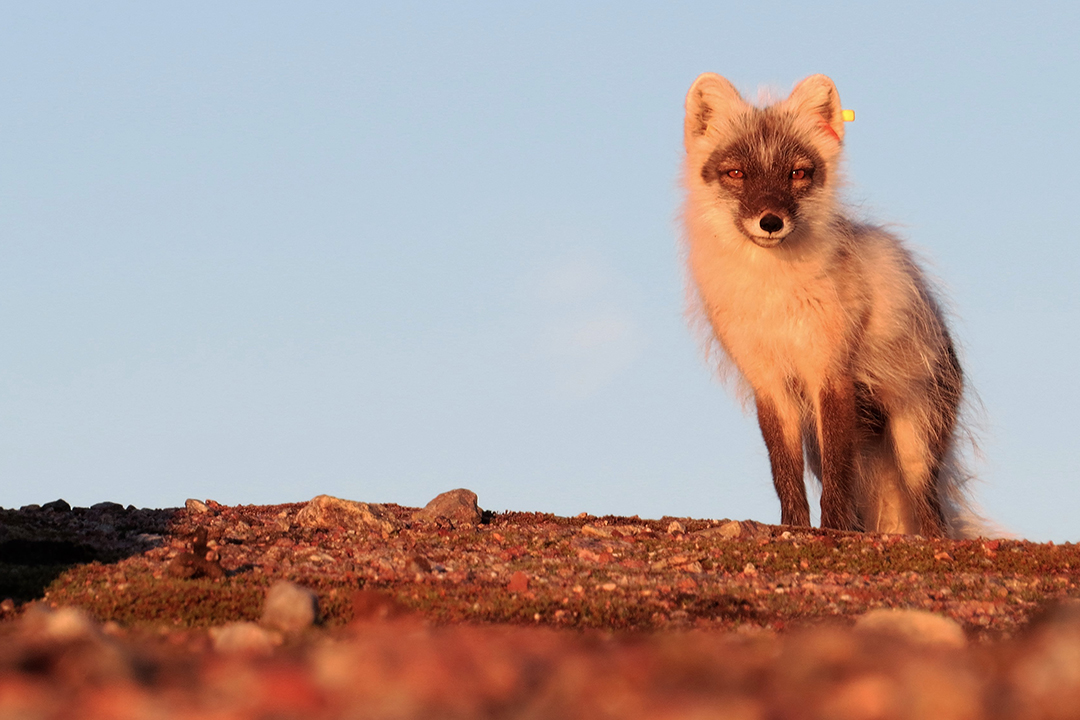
column 289, row 607
column 915, row 626
column 244, row 638
column 58, row 663
column 1044, row 678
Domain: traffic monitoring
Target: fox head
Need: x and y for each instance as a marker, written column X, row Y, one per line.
column 768, row 171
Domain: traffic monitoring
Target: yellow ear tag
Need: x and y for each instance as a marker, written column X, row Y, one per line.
column 848, row 115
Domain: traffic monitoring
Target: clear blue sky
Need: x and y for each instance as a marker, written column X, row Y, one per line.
column 256, row 252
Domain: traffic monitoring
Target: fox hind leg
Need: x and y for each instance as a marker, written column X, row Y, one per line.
column 921, row 439
column 918, row 467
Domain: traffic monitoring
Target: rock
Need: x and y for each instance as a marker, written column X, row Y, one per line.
column 615, row 531
column 244, row 637
column 106, row 507
column 676, row 528
column 289, row 607
column 519, row 582
column 330, row 513
column 727, row 530
column 458, row 506
column 202, row 561
column 195, row 506
column 57, row 506
column 732, row 529
column 916, row 626
column 685, row 585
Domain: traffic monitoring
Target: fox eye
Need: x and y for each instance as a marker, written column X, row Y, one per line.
column 799, row 174
column 736, row 174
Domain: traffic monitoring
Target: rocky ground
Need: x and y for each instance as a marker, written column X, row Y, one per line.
column 339, row 609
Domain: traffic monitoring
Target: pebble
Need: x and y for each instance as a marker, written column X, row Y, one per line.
column 459, row 506
column 325, row 511
column 289, row 607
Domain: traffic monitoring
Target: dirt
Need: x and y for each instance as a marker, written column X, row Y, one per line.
column 521, row 615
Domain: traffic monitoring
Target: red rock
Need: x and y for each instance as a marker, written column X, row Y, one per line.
column 519, row 582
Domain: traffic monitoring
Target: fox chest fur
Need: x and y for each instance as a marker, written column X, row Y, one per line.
column 783, row 319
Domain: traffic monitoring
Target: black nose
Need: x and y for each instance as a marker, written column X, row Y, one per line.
column 771, row 223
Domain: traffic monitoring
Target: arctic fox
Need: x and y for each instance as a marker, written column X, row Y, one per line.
column 829, row 321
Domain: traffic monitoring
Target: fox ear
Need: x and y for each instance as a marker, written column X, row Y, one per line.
column 711, row 98
column 817, row 96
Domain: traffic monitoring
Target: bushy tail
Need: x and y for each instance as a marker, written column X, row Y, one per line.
column 963, row 517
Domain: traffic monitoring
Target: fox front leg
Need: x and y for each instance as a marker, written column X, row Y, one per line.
column 785, row 456
column 836, row 438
